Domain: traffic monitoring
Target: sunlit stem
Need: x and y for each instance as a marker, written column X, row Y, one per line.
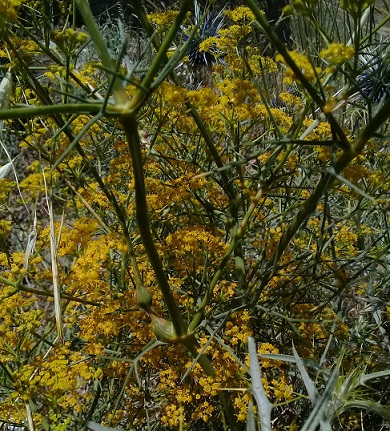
column 129, row 124
column 120, row 96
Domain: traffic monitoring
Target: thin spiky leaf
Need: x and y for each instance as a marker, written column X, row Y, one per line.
column 310, row 388
column 318, row 413
column 94, row 426
column 250, row 418
column 5, row 90
column 209, row 23
column 377, row 408
column 289, row 358
column 308, row 382
column 263, row 404
column 6, row 169
column 367, row 377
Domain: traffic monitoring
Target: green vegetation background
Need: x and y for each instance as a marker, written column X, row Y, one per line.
column 194, row 216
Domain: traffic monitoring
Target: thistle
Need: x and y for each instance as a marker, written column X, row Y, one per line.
column 209, row 23
column 374, row 82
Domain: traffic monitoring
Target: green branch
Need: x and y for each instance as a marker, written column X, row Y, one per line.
column 280, row 47
column 130, row 126
column 29, row 111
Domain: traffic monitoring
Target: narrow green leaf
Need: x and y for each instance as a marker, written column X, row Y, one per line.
column 289, row 358
column 5, row 90
column 379, row 409
column 310, row 387
column 6, row 169
column 76, row 140
column 318, row 413
column 366, row 377
column 352, row 186
column 250, row 418
column 263, row 404
column 97, row 427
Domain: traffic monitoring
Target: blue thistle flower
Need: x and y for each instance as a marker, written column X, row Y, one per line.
column 208, row 23
column 374, row 81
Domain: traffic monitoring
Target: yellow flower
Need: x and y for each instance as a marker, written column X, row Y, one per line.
column 240, row 13
column 304, row 63
column 337, row 53
column 162, row 19
column 8, row 9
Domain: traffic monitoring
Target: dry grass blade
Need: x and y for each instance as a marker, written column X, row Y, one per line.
column 54, row 268
column 31, row 240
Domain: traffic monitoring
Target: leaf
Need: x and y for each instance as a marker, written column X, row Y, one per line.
column 263, row 404
column 318, row 413
column 366, row 377
column 250, row 418
column 379, row 409
column 310, row 387
column 6, row 169
column 289, row 358
column 351, row 186
column 97, row 427
column 5, row 90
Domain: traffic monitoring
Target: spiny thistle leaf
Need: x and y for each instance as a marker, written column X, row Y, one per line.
column 209, row 24
column 374, row 82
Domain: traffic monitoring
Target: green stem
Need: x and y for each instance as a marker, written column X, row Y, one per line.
column 121, row 98
column 17, row 287
column 328, row 179
column 130, row 126
column 51, row 110
column 280, row 47
column 160, row 58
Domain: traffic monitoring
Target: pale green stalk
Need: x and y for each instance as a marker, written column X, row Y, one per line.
column 30, row 421
column 120, row 96
column 51, row 110
column 54, row 269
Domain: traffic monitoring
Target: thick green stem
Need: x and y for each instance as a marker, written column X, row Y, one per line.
column 130, row 127
column 50, row 110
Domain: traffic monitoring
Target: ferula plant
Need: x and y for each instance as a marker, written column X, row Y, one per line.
column 212, row 256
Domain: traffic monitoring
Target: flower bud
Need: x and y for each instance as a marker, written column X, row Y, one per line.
column 163, row 329
column 143, row 298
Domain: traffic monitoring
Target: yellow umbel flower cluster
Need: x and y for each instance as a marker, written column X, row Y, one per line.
column 337, row 53
column 8, row 9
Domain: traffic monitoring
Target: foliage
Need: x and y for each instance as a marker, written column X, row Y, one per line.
column 149, row 229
